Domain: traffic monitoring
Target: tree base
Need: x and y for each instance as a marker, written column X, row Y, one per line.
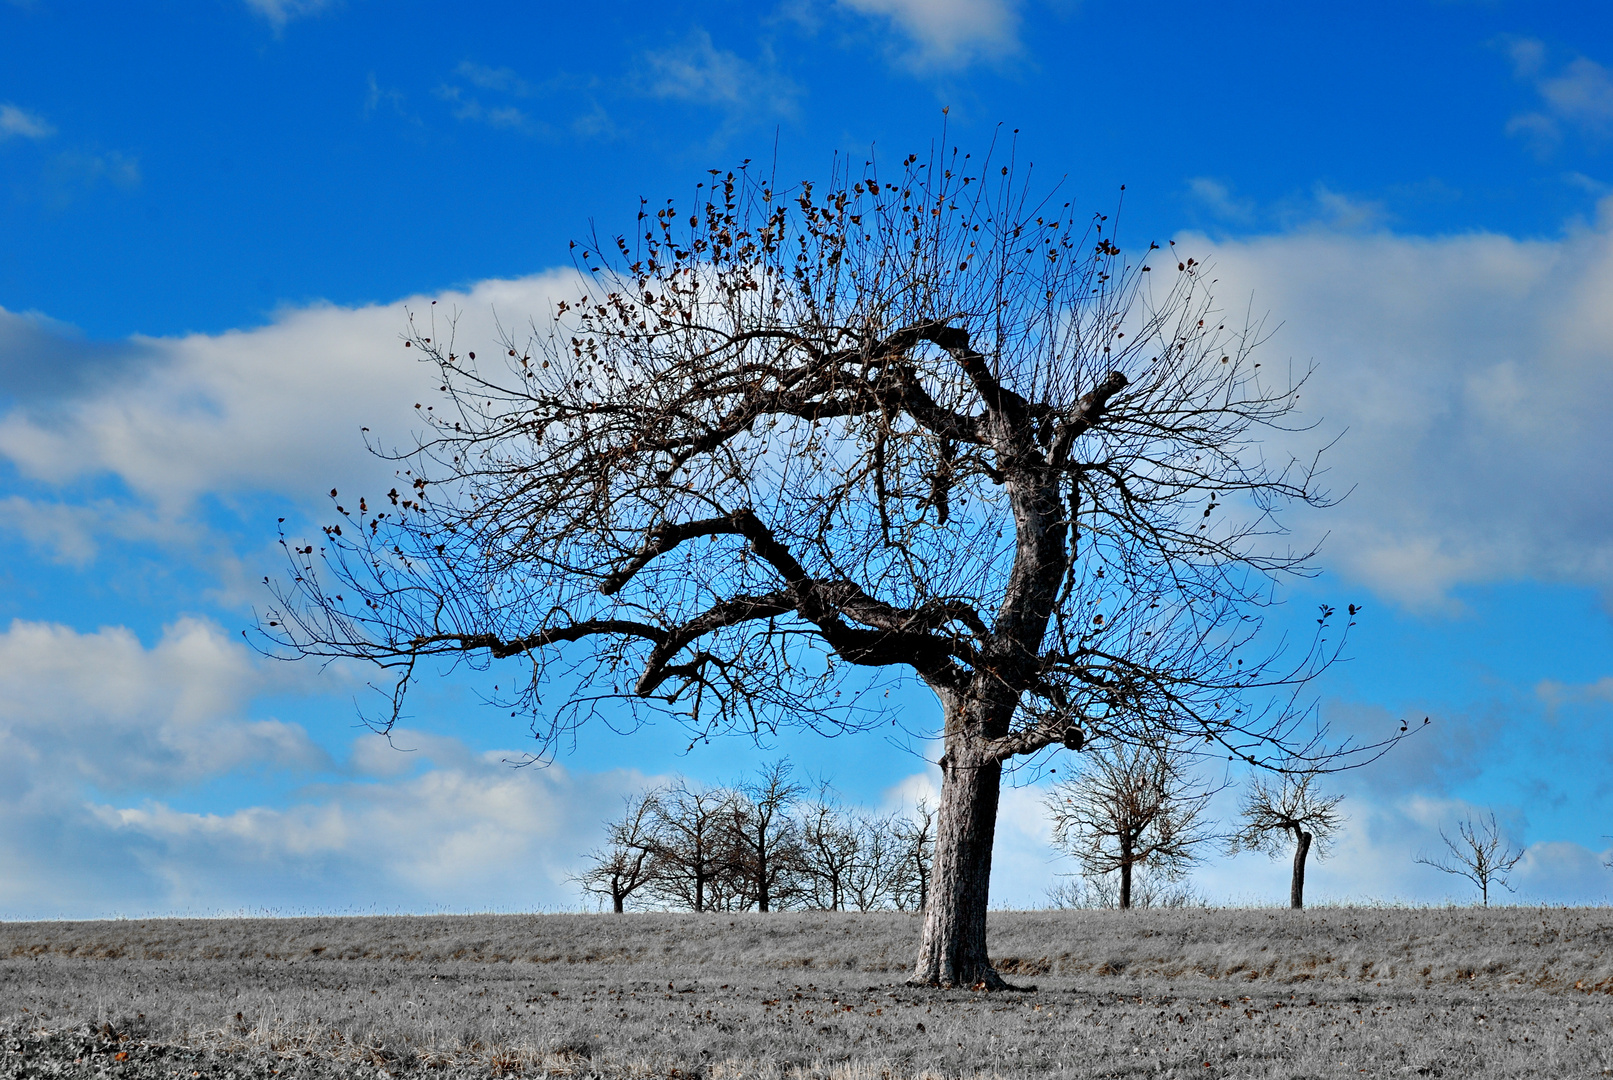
column 983, row 979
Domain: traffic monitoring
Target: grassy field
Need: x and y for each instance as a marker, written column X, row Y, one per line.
column 1508, row 992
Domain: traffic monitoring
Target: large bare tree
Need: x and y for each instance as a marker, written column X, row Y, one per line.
column 1282, row 806
column 927, row 422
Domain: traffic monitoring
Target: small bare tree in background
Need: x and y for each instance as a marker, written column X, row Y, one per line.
column 828, row 851
column 1480, row 853
column 876, row 869
column 1132, row 806
column 916, row 834
column 692, row 852
column 627, row 864
column 765, row 837
column 1277, row 808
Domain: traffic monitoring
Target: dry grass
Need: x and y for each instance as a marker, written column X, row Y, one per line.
column 1509, row 992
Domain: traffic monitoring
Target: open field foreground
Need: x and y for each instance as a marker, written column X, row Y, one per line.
column 1508, row 992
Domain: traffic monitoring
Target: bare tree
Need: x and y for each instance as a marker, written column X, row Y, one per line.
column 829, row 851
column 627, row 864
column 766, row 839
column 876, row 867
column 916, row 834
column 1275, row 809
column 692, row 855
column 781, row 439
column 1131, row 807
column 1480, row 853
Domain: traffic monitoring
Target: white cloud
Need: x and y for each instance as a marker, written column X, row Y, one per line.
column 449, row 828
column 1554, row 695
column 100, row 733
column 1582, row 93
column 72, row 533
column 948, row 31
column 697, row 71
column 466, row 107
column 17, row 122
column 500, row 79
column 468, row 831
column 1468, row 374
column 277, row 409
column 102, row 709
column 1219, row 200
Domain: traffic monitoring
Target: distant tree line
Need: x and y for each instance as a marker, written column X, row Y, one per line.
column 1132, row 816
column 764, row 844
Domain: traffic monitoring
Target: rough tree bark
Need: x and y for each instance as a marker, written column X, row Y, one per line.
column 936, row 425
column 952, row 950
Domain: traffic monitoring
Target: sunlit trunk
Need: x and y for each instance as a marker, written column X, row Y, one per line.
column 953, row 949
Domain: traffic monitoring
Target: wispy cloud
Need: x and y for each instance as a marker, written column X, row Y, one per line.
column 698, row 72
column 501, row 79
column 77, row 169
column 378, row 96
column 467, row 107
column 1320, row 207
column 947, row 31
column 279, row 12
column 1217, row 198
column 18, row 123
column 1578, row 94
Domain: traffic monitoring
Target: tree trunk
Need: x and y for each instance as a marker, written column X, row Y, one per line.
column 1296, row 889
column 618, row 897
column 953, row 949
column 1125, row 879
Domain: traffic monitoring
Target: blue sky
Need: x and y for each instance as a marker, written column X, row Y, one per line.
column 214, row 214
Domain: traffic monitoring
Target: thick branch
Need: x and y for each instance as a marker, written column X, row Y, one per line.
column 1087, row 412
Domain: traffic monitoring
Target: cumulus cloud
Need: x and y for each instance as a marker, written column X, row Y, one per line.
column 277, row 409
column 1466, row 373
column 948, row 31
column 103, row 738
column 466, row 831
column 18, row 123
column 102, row 709
column 454, row 829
